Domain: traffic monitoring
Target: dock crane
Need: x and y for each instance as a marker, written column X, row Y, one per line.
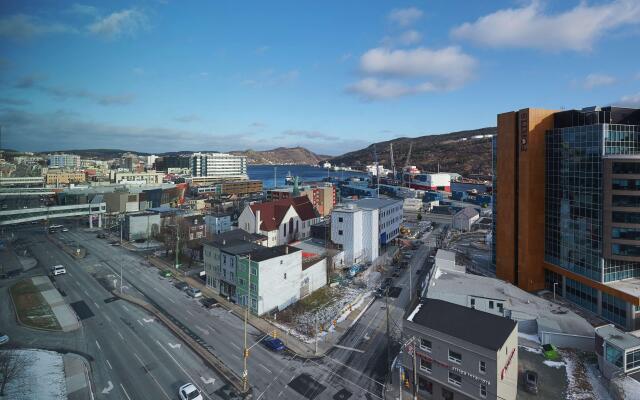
column 406, row 164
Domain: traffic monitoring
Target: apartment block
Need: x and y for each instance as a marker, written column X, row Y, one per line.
column 70, row 161
column 58, row 177
column 218, row 166
column 460, row 353
column 567, row 206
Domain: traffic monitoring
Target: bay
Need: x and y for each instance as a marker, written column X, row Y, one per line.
column 306, row 173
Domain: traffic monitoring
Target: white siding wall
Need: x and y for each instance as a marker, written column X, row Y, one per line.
column 316, row 274
column 247, row 221
column 274, row 290
column 369, row 235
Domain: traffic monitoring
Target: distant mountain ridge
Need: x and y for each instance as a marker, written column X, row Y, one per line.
column 464, row 152
column 282, row 155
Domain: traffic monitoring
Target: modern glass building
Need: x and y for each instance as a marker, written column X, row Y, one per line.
column 590, row 211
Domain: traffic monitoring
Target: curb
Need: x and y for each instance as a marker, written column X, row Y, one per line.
column 24, row 325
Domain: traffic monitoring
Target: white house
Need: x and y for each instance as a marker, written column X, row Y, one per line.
column 282, row 221
column 279, row 277
column 464, row 219
column 218, row 223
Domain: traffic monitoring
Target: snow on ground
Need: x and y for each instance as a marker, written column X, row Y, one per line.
column 530, row 349
column 578, row 385
column 554, row 364
column 43, row 379
column 598, row 382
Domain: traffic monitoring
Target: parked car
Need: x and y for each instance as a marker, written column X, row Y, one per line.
column 166, row 273
column 101, row 235
column 3, row 338
column 272, row 343
column 550, row 352
column 58, row 270
column 531, row 381
column 189, row 391
column 209, row 302
column 194, row 292
column 65, row 229
column 181, row 285
column 10, row 274
column 114, row 243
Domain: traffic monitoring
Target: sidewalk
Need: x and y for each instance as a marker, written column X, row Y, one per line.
column 302, row 348
column 64, row 314
column 77, row 379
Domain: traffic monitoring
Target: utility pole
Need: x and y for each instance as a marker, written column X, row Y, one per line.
column 121, row 269
column 316, row 341
column 245, row 353
column 275, row 177
column 415, row 371
column 386, row 301
column 177, row 243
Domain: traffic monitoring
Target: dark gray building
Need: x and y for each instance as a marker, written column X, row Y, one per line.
column 460, row 353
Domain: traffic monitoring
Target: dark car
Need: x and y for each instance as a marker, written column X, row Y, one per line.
column 531, row 381
column 272, row 343
column 181, row 285
column 209, row 302
column 101, row 236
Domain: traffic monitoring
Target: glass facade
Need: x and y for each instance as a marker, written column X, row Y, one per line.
column 614, row 309
column 582, row 295
column 633, row 359
column 573, row 199
column 614, row 355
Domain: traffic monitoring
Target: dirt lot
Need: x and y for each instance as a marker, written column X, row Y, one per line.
column 31, row 307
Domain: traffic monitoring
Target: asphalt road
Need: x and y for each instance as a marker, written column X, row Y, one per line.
column 271, row 375
column 131, row 355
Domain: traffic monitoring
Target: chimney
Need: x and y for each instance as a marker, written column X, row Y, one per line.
column 257, row 221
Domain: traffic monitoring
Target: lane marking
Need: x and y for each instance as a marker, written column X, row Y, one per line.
column 139, row 322
column 107, row 317
column 189, row 312
column 96, row 304
column 85, row 292
column 171, row 300
column 148, row 320
column 265, row 368
column 348, row 348
column 120, row 334
column 108, row 388
column 208, row 381
column 235, row 345
column 98, row 344
column 183, row 370
column 175, row 346
column 125, row 307
column 212, row 328
column 109, row 364
column 206, row 332
column 125, row 392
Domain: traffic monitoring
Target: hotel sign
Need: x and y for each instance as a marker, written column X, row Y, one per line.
column 523, row 129
column 470, row 375
column 506, row 366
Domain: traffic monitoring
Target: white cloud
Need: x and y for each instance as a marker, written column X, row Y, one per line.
column 404, row 39
column 64, row 93
column 125, row 22
column 449, row 66
column 347, row 56
column 380, row 89
column 596, row 80
column 405, row 16
column 576, row 29
column 270, row 77
column 632, row 100
column 187, row 118
column 21, row 26
column 83, row 9
column 313, row 135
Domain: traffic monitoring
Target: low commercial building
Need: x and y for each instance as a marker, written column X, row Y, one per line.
column 355, row 230
column 618, row 352
column 322, row 196
column 58, row 177
column 445, row 259
column 278, row 277
column 141, row 225
column 149, row 177
column 464, row 219
column 459, row 353
column 282, row 221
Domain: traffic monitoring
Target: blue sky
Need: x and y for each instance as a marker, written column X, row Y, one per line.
column 160, row 76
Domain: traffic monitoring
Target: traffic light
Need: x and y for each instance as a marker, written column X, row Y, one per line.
column 274, row 334
column 246, row 353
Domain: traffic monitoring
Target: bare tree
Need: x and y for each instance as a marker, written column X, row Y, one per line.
column 12, row 364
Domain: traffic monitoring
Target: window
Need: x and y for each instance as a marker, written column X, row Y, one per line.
column 500, row 307
column 241, row 281
column 425, row 365
column 340, row 232
column 425, row 385
column 455, row 379
column 613, row 355
column 473, row 303
column 455, row 357
column 482, row 367
column 447, row 394
column 425, row 344
column 340, row 219
column 633, row 360
column 483, row 391
column 491, row 305
column 285, row 275
column 254, row 271
column 254, row 288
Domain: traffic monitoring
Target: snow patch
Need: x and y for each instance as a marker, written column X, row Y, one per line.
column 43, row 379
column 414, row 312
column 530, row 337
column 531, row 349
column 554, row 364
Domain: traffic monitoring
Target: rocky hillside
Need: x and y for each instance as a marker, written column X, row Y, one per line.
column 462, row 152
column 282, row 155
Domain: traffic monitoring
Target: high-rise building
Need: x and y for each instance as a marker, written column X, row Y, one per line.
column 567, row 206
column 63, row 161
column 218, row 166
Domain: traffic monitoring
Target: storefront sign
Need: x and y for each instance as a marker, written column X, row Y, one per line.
column 465, row 373
column 523, row 129
column 506, row 366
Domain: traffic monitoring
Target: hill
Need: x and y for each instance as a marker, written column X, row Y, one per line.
column 462, row 152
column 282, row 155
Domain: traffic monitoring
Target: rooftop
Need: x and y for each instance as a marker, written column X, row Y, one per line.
column 272, row 212
column 618, row 338
column 446, row 255
column 376, row 203
column 265, row 253
column 630, row 286
column 455, row 320
column 468, row 212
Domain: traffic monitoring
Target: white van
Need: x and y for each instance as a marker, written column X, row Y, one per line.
column 58, row 270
